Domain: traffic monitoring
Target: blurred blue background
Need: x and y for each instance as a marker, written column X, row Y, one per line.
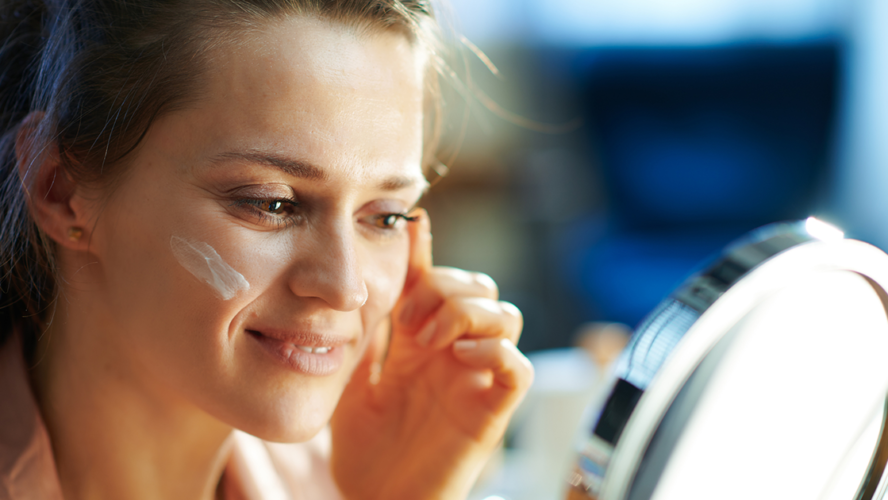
column 661, row 130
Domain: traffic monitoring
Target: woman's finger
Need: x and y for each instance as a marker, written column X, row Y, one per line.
column 450, row 281
column 420, row 259
column 437, row 284
column 470, row 317
column 419, row 264
column 512, row 371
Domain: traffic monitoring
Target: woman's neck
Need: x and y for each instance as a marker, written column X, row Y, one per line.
column 113, row 434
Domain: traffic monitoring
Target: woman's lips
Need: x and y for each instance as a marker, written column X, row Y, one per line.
column 310, row 354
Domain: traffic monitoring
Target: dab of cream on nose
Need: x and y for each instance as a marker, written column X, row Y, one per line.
column 202, row 260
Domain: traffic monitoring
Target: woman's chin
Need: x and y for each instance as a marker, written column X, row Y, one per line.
column 294, row 434
column 285, row 431
column 287, row 420
column 273, row 403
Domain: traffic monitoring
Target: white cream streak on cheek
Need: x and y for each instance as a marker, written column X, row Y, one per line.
column 202, row 260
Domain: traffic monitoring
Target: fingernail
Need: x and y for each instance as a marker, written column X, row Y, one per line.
column 465, row 345
column 425, row 336
column 407, row 313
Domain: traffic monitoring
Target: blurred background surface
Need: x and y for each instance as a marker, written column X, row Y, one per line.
column 659, row 131
column 628, row 141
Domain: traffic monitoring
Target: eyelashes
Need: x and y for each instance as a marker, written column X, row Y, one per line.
column 389, row 221
column 278, row 212
column 281, row 213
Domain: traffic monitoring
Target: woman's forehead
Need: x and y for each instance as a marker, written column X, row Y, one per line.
column 319, row 91
column 311, row 60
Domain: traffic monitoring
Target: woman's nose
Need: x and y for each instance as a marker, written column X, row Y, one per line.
column 330, row 269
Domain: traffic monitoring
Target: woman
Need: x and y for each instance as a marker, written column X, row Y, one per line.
column 208, row 220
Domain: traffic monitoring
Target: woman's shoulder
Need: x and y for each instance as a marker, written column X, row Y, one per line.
column 27, row 469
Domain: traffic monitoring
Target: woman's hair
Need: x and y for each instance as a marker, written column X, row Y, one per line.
column 98, row 73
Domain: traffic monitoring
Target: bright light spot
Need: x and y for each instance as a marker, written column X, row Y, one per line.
column 494, row 498
column 823, row 231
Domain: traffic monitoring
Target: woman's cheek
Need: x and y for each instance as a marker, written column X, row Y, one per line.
column 384, row 281
column 248, row 264
column 384, row 276
column 204, row 263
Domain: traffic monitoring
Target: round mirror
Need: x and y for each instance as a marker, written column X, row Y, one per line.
column 763, row 376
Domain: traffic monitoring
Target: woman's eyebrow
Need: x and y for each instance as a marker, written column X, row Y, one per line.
column 289, row 166
column 399, row 182
column 305, row 170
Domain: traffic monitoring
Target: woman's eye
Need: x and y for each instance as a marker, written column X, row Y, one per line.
column 387, row 221
column 275, row 207
column 272, row 206
column 276, row 211
column 390, row 221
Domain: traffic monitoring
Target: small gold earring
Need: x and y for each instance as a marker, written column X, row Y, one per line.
column 75, row 233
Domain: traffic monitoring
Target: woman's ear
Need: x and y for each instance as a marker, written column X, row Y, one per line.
column 52, row 194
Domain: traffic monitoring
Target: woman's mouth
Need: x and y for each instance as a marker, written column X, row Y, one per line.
column 316, row 350
column 309, row 354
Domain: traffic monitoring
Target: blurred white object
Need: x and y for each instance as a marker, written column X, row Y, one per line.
column 565, row 381
column 558, row 403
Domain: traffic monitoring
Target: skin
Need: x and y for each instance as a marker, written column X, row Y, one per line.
column 144, row 371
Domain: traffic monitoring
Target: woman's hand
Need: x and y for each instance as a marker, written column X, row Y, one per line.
column 450, row 382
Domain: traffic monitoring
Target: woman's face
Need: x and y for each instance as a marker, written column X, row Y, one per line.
column 306, row 137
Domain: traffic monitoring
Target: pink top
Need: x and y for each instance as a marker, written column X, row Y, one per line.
column 257, row 470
